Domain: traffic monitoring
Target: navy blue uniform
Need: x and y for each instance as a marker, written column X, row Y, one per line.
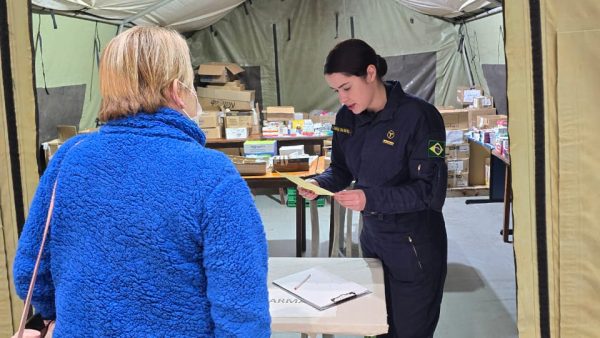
column 396, row 156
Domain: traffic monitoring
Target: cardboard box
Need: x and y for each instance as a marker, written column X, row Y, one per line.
column 466, row 95
column 226, row 94
column 87, row 130
column 288, row 150
column 232, row 85
column 209, row 119
column 475, row 113
column 249, row 166
column 213, row 132
column 236, row 133
column 489, row 121
column 280, row 109
column 323, row 117
column 234, row 151
column 239, row 120
column 260, row 147
column 327, row 162
column 218, row 104
column 455, row 137
column 478, row 158
column 457, row 166
column 50, row 148
column 483, row 102
column 284, row 163
column 456, row 118
column 65, row 132
column 458, row 180
column 457, row 151
column 274, row 117
column 218, row 72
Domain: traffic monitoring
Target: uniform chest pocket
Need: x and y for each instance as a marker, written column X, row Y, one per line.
column 387, row 160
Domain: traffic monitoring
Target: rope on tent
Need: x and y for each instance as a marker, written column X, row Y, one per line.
column 473, row 55
column 38, row 42
column 337, row 25
column 53, row 19
column 96, row 57
column 463, row 50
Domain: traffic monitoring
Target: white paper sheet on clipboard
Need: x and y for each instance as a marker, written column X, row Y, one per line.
column 319, row 288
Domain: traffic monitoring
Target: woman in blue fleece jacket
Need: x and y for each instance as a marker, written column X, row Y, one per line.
column 152, row 235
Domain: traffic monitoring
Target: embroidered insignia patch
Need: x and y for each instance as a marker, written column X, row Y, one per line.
column 436, row 149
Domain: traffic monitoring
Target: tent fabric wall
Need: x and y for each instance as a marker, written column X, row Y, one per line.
column 18, row 146
column 485, row 43
column 69, row 58
column 552, row 52
column 389, row 27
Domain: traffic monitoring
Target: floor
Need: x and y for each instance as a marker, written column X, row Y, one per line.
column 479, row 295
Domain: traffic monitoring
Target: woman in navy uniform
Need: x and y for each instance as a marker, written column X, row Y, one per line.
column 392, row 145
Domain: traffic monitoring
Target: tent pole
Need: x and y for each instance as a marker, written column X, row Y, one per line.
column 142, row 13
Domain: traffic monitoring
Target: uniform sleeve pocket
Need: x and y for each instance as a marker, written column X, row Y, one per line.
column 422, row 169
column 433, row 172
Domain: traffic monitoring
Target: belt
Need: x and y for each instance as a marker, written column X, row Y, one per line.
column 393, row 217
column 380, row 216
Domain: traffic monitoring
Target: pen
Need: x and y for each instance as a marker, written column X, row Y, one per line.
column 303, row 281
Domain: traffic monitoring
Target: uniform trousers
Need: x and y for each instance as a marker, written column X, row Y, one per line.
column 413, row 250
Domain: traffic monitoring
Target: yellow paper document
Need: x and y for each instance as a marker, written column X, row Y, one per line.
column 306, row 185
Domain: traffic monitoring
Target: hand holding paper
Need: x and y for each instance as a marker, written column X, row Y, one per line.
column 307, row 185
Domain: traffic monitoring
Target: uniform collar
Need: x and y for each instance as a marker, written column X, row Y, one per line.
column 164, row 122
column 394, row 94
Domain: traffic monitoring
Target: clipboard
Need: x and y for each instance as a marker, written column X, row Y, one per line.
column 320, row 289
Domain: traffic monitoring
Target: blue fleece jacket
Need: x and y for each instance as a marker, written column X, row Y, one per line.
column 152, row 235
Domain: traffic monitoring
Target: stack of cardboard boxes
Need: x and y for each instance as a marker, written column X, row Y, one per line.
column 457, row 158
column 281, row 121
column 463, row 169
column 224, row 96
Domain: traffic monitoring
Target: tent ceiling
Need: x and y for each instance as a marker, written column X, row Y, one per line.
column 193, row 15
column 182, row 15
column 452, row 10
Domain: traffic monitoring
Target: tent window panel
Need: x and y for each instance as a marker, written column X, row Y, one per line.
column 495, row 76
column 250, row 77
column 416, row 73
column 64, row 105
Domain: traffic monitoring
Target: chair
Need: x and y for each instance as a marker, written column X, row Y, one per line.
column 340, row 231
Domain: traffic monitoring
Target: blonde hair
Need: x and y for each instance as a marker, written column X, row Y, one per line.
column 138, row 66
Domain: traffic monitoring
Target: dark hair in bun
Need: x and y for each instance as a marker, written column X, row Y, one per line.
column 352, row 57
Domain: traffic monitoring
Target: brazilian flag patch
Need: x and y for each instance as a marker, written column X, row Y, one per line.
column 436, row 149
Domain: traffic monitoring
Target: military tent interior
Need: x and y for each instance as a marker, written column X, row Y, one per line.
column 538, row 58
